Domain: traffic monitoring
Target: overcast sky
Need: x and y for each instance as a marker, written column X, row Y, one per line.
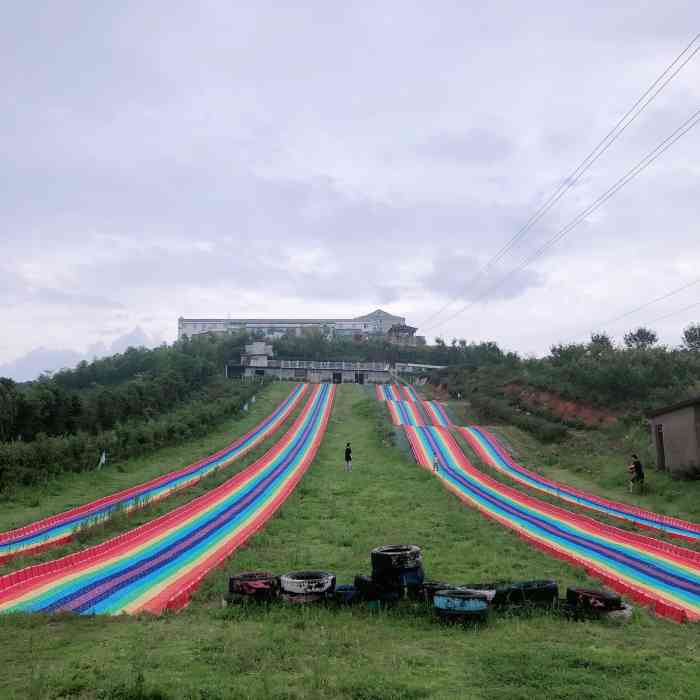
column 160, row 159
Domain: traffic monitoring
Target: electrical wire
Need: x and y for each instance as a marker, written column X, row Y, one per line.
column 620, row 127
column 631, row 174
column 674, row 313
column 649, row 303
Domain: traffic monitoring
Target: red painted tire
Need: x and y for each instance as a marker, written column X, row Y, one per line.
column 595, row 599
column 261, row 585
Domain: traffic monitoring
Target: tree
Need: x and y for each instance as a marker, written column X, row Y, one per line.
column 566, row 354
column 600, row 345
column 641, row 339
column 691, row 337
column 601, row 341
column 9, row 406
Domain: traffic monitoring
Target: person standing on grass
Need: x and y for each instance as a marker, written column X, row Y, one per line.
column 636, row 471
column 348, row 458
column 436, row 465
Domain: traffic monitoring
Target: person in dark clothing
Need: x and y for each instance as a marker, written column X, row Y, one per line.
column 348, row 458
column 636, row 471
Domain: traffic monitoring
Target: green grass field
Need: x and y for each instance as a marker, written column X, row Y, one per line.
column 331, row 522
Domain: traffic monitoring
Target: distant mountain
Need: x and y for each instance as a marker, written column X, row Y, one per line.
column 42, row 359
column 39, row 360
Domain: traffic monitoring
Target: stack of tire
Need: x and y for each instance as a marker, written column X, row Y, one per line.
column 253, row 586
column 304, row 587
column 587, row 603
column 517, row 594
column 397, row 572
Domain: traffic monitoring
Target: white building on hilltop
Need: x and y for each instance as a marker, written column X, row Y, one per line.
column 374, row 325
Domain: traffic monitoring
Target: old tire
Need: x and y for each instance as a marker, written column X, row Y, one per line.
column 303, row 598
column 594, row 599
column 622, row 615
column 518, row 593
column 429, row 588
column 369, row 589
column 496, row 593
column 539, row 592
column 260, row 585
column 458, row 601
column 345, row 594
column 307, row 582
column 453, row 618
column 395, row 556
column 400, row 578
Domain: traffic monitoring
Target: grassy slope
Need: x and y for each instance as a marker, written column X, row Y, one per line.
column 591, row 460
column 332, row 521
column 121, row 522
column 70, row 490
column 596, row 461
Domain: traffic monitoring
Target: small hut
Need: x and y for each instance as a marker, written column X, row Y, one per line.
column 676, row 433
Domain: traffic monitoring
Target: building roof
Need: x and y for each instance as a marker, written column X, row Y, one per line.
column 675, row 407
column 379, row 314
column 264, row 320
column 402, row 328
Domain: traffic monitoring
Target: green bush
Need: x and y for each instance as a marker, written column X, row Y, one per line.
column 37, row 461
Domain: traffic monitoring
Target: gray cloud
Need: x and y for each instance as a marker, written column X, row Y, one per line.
column 476, row 146
column 165, row 159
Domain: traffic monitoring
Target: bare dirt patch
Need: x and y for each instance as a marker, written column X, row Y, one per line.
column 563, row 408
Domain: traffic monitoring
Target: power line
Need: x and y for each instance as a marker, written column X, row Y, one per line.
column 650, row 303
column 640, row 167
column 674, row 313
column 620, row 127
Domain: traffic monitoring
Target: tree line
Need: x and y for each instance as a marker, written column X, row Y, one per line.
column 35, row 462
column 96, row 396
column 631, row 379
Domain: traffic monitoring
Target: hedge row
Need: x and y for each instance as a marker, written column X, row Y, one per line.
column 27, row 463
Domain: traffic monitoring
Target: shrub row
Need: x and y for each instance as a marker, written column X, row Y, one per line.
column 27, row 463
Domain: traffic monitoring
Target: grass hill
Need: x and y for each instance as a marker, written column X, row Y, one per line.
column 141, row 399
column 332, row 521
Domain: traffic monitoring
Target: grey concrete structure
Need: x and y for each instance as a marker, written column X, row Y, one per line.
column 315, row 372
column 676, row 434
column 416, row 368
column 377, row 324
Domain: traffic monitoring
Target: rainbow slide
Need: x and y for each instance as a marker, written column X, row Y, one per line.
column 489, row 449
column 388, row 392
column 652, row 572
column 410, row 393
column 56, row 529
column 158, row 566
column 437, row 415
column 418, row 413
column 405, row 413
column 396, row 392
